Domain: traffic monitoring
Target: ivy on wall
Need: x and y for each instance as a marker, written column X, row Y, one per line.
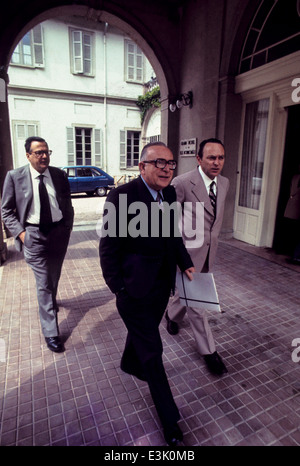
column 147, row 101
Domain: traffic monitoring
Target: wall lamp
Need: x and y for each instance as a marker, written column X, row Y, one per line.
column 183, row 100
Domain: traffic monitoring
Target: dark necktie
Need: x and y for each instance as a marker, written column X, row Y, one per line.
column 45, row 212
column 212, row 196
column 159, row 199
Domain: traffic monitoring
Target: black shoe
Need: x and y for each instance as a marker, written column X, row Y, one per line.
column 172, row 327
column 215, row 364
column 173, row 435
column 138, row 375
column 54, row 344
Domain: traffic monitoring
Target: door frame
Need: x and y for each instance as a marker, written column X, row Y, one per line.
column 273, row 81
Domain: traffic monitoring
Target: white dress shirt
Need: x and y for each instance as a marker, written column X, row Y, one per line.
column 34, row 211
column 208, row 181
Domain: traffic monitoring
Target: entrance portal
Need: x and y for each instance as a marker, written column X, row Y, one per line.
column 284, row 236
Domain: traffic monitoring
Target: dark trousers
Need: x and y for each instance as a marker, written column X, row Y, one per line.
column 45, row 255
column 143, row 348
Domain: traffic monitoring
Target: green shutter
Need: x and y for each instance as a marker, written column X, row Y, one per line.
column 122, row 149
column 70, row 146
column 77, row 52
column 38, row 46
column 98, row 151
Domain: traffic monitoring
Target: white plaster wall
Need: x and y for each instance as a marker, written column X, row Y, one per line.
column 56, row 112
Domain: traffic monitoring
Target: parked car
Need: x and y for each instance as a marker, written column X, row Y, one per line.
column 88, row 179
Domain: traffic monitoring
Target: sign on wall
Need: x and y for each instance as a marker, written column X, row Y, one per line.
column 188, row 147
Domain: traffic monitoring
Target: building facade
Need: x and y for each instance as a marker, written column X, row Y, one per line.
column 76, row 83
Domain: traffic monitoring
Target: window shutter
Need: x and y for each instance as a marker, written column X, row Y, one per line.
column 70, row 146
column 87, row 53
column 16, row 56
column 32, row 130
column 25, row 130
column 20, row 131
column 77, row 51
column 134, row 62
column 130, row 60
column 98, row 151
column 38, row 46
column 139, row 64
column 122, row 149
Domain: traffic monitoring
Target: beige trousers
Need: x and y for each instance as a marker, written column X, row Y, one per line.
column 199, row 323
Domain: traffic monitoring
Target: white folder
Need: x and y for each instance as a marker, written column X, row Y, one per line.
column 200, row 292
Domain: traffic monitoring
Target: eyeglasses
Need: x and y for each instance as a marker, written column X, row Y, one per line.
column 40, row 153
column 162, row 163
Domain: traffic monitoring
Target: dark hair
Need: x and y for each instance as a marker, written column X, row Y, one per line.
column 205, row 141
column 30, row 140
column 147, row 146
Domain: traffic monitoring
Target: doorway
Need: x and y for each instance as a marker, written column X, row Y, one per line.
column 284, row 239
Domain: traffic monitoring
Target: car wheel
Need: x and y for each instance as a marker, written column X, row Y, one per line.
column 101, row 192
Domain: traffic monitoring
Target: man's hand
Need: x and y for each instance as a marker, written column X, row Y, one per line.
column 189, row 273
column 22, row 236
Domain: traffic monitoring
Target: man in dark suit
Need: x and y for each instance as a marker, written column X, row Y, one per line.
column 139, row 265
column 203, row 184
column 37, row 210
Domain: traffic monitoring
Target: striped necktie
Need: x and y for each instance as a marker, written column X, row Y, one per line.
column 212, row 196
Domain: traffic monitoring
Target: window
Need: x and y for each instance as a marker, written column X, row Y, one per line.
column 71, row 172
column 29, row 51
column 129, row 148
column 273, row 34
column 82, row 52
column 134, row 62
column 153, row 138
column 24, row 130
column 84, row 146
column 21, row 131
column 84, row 172
column 253, row 153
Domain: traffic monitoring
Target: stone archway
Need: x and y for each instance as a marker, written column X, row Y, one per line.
column 92, row 14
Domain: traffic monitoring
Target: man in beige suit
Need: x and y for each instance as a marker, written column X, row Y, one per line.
column 194, row 187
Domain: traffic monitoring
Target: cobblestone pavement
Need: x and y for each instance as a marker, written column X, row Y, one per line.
column 81, row 397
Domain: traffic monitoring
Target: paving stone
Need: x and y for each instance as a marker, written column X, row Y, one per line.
column 81, row 397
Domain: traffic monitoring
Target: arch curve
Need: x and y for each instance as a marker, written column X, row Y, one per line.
column 95, row 15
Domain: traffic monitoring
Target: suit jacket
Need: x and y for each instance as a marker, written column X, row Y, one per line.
column 292, row 209
column 17, row 198
column 137, row 262
column 190, row 187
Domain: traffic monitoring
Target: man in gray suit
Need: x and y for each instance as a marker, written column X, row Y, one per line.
column 194, row 187
column 37, row 210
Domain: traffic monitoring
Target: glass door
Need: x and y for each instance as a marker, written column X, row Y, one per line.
column 251, row 171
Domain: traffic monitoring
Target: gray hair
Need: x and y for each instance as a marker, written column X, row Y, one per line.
column 147, row 146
